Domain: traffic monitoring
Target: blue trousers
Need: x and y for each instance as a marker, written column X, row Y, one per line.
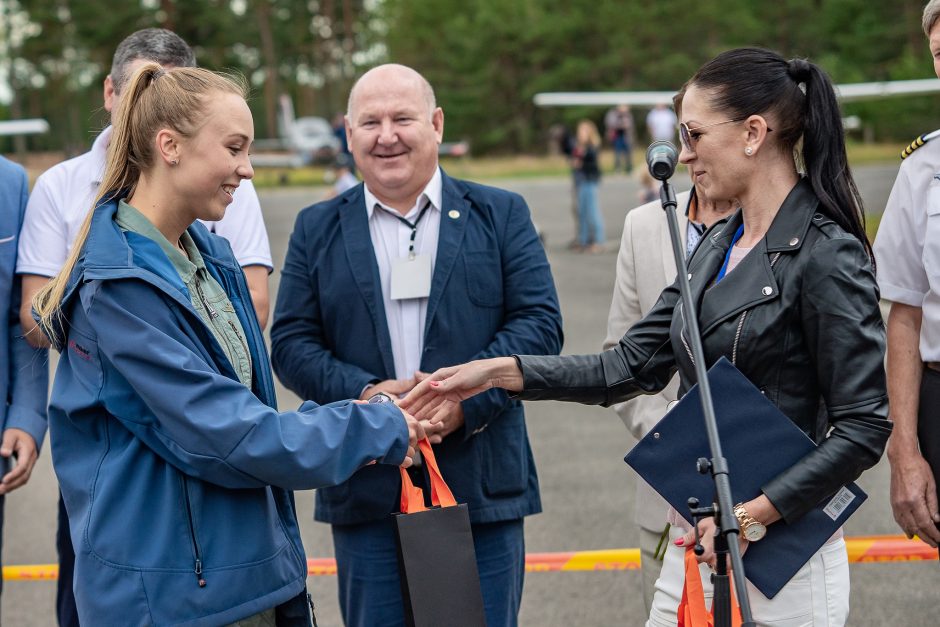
column 369, row 587
column 591, row 223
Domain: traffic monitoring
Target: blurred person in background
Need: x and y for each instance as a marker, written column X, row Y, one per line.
column 619, row 126
column 587, row 172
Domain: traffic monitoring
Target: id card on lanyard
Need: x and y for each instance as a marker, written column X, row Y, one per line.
column 411, row 275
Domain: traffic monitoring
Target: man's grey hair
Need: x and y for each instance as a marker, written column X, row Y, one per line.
column 424, row 85
column 931, row 14
column 151, row 44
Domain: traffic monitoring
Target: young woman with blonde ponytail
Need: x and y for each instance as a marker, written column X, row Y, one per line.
column 175, row 468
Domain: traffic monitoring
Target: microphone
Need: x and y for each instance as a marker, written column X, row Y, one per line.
column 661, row 159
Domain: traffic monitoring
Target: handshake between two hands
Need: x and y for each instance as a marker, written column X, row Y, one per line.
column 431, row 402
column 434, row 420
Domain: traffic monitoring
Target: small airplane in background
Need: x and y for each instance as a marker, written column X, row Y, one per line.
column 302, row 141
column 35, row 126
column 849, row 92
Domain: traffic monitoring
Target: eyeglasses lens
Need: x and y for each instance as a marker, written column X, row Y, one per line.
column 686, row 137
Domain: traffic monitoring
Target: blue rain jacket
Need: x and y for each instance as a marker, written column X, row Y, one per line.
column 176, row 477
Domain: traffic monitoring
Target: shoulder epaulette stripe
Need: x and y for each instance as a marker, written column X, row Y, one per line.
column 917, row 143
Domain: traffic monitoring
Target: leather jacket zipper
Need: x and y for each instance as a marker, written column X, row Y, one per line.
column 737, row 338
column 737, row 333
column 197, row 554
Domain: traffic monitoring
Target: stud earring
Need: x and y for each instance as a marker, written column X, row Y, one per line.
column 749, row 151
column 177, row 162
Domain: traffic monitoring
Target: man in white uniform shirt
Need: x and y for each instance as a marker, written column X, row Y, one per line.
column 63, row 197
column 907, row 250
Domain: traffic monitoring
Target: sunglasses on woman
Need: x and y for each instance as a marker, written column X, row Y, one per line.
column 690, row 136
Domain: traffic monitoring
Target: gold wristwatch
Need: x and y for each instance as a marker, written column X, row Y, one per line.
column 752, row 529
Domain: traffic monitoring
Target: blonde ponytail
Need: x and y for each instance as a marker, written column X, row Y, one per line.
column 153, row 99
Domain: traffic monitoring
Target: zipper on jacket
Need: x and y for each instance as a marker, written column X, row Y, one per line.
column 192, row 534
column 213, row 314
column 232, row 324
column 682, row 335
column 737, row 333
column 737, row 338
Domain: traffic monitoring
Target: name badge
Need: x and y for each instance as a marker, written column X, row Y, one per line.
column 411, row 277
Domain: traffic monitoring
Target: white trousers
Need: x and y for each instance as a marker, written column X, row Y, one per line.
column 817, row 596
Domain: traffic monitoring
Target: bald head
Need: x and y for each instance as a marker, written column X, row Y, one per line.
column 387, row 76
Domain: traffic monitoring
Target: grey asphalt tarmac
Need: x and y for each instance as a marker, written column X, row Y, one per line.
column 586, row 487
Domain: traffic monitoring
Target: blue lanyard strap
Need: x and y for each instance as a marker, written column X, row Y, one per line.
column 724, row 266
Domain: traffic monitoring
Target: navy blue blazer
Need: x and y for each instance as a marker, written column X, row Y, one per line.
column 492, row 294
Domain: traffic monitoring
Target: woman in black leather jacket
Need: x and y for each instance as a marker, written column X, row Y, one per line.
column 785, row 290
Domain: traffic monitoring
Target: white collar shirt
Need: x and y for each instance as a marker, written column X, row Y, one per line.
column 391, row 239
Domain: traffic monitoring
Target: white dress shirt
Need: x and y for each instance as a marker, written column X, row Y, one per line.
column 63, row 196
column 390, row 240
column 907, row 247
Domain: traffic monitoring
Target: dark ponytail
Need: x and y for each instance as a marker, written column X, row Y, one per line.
column 748, row 81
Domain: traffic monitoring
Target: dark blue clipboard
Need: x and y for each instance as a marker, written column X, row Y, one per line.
column 759, row 442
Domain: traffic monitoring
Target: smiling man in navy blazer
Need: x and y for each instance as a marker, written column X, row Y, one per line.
column 404, row 274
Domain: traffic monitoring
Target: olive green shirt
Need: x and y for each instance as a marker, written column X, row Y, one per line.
column 208, row 298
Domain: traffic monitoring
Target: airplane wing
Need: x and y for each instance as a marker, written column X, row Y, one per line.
column 24, row 127
column 603, row 98
column 849, row 92
column 873, row 91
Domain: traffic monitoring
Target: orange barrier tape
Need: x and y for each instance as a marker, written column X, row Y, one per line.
column 862, row 550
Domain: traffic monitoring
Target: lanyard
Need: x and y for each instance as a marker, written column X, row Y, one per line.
column 724, row 266
column 414, row 228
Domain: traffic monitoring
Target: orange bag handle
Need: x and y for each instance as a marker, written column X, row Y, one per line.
column 412, row 498
column 692, row 612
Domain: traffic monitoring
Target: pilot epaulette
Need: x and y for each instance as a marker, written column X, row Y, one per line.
column 917, row 143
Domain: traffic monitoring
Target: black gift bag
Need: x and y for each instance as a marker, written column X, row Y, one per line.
column 439, row 579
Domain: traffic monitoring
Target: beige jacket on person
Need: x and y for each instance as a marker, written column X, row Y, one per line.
column 645, row 266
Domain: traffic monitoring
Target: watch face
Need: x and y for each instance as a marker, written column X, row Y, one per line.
column 755, row 531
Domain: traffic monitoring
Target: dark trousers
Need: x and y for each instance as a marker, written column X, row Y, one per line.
column 367, row 570
column 2, row 499
column 66, row 611
column 928, row 421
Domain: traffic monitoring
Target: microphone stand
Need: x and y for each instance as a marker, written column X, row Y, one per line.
column 723, row 513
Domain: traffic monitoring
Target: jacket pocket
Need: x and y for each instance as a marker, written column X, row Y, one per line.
column 84, row 362
column 505, row 456
column 484, row 278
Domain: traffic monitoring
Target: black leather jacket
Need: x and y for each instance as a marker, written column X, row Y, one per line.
column 798, row 316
